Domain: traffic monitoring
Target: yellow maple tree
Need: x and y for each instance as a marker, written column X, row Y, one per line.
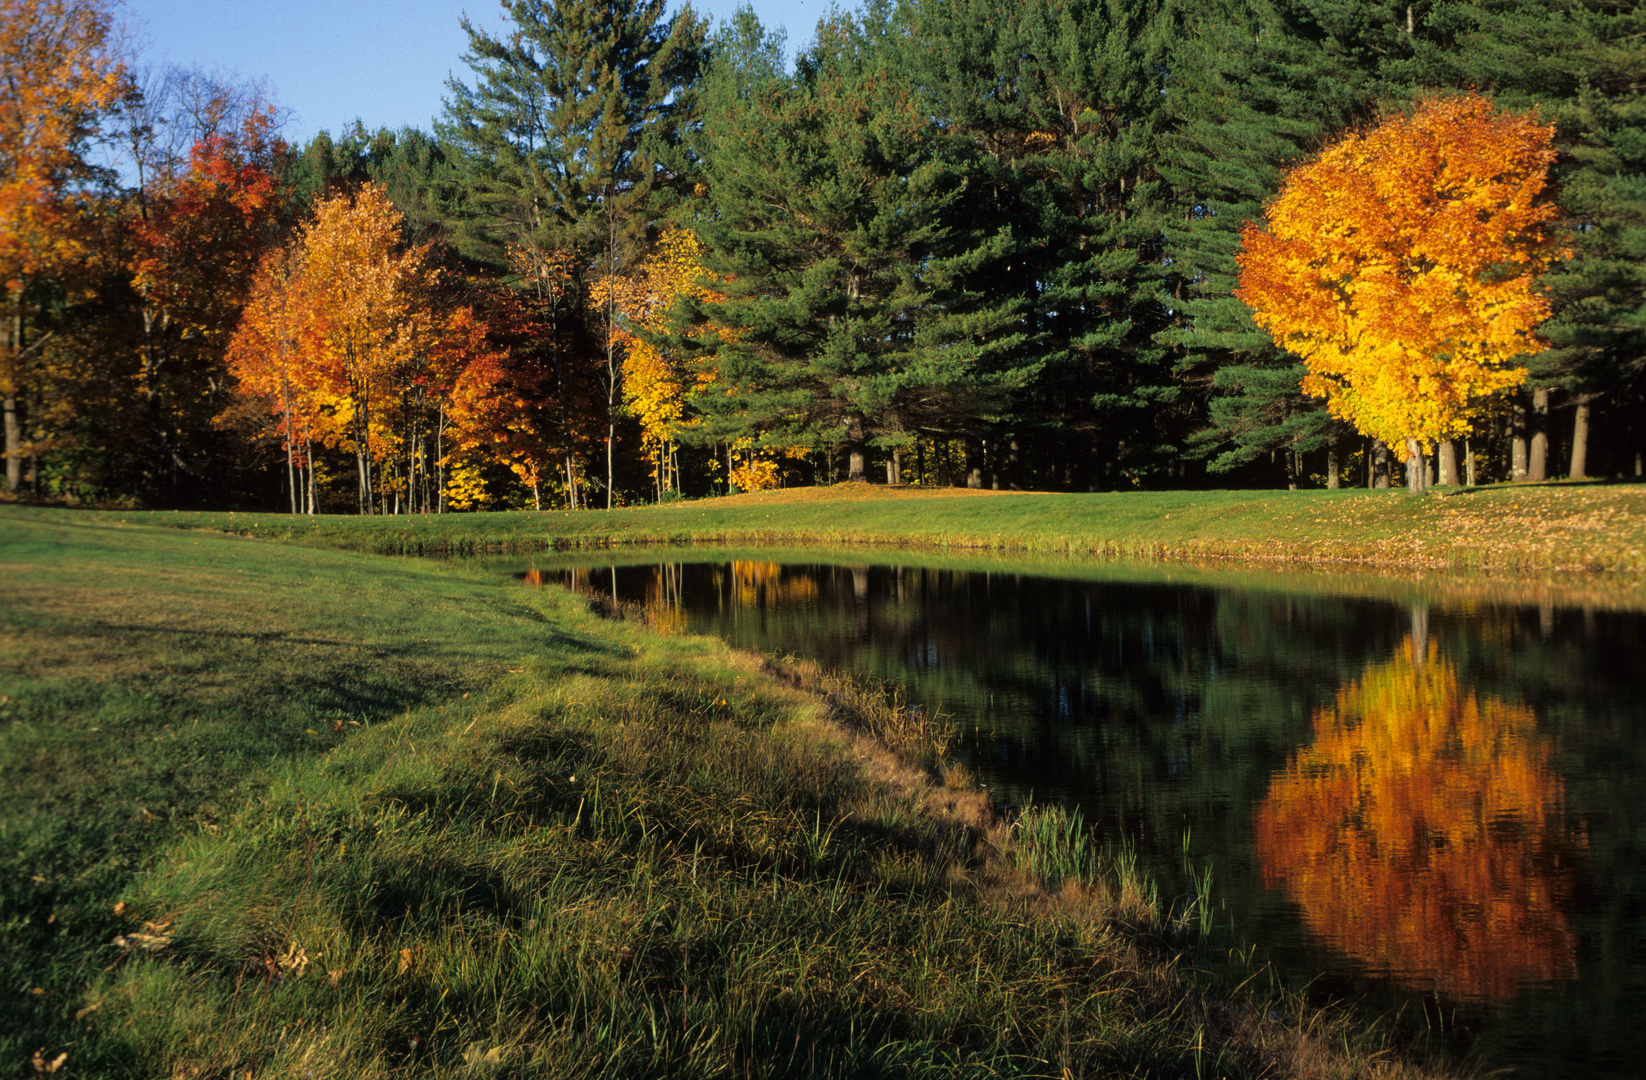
column 656, row 385
column 362, row 286
column 1401, row 265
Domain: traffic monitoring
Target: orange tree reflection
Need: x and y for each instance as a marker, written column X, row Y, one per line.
column 1423, row 833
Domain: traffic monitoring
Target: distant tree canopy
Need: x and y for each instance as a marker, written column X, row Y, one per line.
column 957, row 242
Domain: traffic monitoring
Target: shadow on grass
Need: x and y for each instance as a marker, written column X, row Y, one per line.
column 119, row 734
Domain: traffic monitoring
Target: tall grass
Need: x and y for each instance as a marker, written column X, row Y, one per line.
column 473, row 829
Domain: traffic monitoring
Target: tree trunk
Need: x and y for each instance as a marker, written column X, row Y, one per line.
column 1537, row 464
column 1014, row 465
column 10, row 375
column 974, row 463
column 1334, row 469
column 1468, row 463
column 1517, row 437
column 854, row 450
column 1380, row 465
column 14, row 445
column 894, row 467
column 1448, row 463
column 1580, row 440
column 1417, row 473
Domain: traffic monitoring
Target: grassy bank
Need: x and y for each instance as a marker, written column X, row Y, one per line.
column 276, row 811
column 1556, row 527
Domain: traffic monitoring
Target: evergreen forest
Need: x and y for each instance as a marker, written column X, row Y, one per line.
column 640, row 257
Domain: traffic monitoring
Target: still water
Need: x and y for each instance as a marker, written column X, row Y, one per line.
column 1433, row 808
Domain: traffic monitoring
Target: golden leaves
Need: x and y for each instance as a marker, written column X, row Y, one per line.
column 1422, row 832
column 58, row 72
column 152, row 938
column 1400, row 265
column 411, row 959
column 656, row 385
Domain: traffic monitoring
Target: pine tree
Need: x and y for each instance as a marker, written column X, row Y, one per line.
column 562, row 145
column 1256, row 86
column 834, row 227
column 1579, row 63
column 409, row 164
column 1052, row 111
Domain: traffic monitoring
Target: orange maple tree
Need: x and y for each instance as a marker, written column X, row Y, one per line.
column 1423, row 833
column 192, row 248
column 1401, row 265
column 59, row 72
column 276, row 331
column 353, row 340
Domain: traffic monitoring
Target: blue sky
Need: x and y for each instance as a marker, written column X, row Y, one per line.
column 330, row 62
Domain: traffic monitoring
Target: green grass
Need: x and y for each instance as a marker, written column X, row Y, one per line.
column 1552, row 527
column 274, row 810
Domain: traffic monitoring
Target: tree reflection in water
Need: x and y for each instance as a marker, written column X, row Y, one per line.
column 1423, row 833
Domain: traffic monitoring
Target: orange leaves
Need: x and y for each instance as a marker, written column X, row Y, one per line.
column 58, row 72
column 1422, row 832
column 197, row 243
column 1400, row 265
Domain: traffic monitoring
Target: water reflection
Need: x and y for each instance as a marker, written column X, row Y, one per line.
column 1393, row 803
column 1424, row 834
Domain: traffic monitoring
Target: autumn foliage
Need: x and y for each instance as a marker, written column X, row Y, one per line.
column 1401, row 265
column 656, row 384
column 59, row 72
column 1422, row 833
column 353, row 344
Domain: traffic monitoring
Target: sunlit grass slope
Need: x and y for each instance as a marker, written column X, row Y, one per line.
column 280, row 811
column 1553, row 527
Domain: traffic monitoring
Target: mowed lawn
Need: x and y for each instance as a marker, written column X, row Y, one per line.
column 1555, row 527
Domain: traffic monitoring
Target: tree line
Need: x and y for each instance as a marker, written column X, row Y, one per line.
column 953, row 242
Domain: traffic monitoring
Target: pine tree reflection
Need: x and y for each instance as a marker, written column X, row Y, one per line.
column 1423, row 833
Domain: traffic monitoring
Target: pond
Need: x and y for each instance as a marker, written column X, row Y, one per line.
column 1430, row 805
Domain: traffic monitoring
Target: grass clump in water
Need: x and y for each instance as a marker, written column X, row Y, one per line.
column 565, row 847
